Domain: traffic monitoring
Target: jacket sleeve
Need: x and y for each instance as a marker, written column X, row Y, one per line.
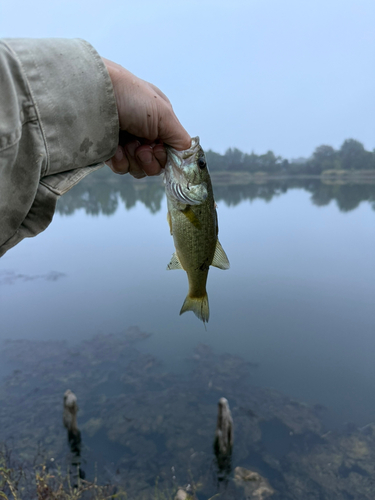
column 58, row 122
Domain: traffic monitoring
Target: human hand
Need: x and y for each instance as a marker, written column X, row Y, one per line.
column 147, row 120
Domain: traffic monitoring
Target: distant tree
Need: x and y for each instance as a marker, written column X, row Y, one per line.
column 284, row 165
column 251, row 162
column 216, row 161
column 326, row 157
column 234, row 159
column 353, row 156
column 269, row 162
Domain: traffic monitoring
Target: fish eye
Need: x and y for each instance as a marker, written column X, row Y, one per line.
column 201, row 162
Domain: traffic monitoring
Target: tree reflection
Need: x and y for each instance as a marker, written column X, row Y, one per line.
column 102, row 194
column 347, row 196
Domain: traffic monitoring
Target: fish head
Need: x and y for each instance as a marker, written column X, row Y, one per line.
column 186, row 175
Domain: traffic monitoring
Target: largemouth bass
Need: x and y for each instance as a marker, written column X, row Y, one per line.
column 193, row 223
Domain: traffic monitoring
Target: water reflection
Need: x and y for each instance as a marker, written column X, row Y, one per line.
column 101, row 194
column 294, row 301
column 103, row 197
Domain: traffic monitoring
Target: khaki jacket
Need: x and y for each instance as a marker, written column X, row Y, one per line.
column 58, row 123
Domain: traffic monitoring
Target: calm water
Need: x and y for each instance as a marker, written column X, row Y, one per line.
column 298, row 300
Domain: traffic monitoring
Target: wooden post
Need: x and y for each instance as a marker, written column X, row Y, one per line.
column 223, row 441
column 74, row 435
column 224, row 428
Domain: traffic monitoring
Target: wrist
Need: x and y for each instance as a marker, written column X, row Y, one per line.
column 114, row 71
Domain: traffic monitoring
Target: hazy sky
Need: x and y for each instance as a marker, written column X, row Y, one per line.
column 286, row 75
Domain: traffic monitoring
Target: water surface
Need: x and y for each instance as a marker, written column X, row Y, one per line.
column 298, row 301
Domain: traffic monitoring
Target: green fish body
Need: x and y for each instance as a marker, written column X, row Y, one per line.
column 193, row 223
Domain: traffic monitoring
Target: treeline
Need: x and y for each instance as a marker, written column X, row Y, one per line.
column 351, row 156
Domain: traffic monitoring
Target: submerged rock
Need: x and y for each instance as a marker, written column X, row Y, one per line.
column 254, row 485
column 183, row 495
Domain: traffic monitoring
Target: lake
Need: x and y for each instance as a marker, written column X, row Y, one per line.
column 292, row 325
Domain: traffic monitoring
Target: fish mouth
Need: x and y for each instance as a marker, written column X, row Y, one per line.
column 178, row 159
column 176, row 184
column 192, row 150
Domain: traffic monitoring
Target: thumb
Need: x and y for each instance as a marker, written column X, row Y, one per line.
column 172, row 133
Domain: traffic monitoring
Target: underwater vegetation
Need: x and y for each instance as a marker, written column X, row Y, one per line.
column 142, row 426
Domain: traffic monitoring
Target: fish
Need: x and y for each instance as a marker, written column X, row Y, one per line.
column 193, row 223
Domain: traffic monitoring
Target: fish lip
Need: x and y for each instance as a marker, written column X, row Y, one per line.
column 186, row 153
column 177, row 157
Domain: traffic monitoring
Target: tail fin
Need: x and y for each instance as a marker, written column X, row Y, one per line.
column 199, row 306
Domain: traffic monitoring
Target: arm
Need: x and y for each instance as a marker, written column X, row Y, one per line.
column 61, row 110
column 58, row 122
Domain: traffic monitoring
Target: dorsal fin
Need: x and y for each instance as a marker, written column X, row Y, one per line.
column 220, row 259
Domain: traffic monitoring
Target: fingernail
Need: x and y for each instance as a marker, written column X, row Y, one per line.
column 119, row 154
column 145, row 156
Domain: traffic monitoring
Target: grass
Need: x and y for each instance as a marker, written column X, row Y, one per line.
column 37, row 482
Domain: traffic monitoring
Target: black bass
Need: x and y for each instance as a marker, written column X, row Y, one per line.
column 193, row 223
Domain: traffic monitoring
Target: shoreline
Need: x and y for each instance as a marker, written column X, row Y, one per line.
column 231, row 178
column 327, row 177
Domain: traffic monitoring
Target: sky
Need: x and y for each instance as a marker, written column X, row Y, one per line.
column 259, row 75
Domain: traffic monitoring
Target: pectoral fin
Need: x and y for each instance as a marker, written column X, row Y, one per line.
column 189, row 214
column 174, row 263
column 220, row 259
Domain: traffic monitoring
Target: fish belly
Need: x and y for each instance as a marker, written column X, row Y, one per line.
column 195, row 244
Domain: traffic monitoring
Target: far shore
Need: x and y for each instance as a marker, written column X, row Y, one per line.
column 229, row 177
column 327, row 177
